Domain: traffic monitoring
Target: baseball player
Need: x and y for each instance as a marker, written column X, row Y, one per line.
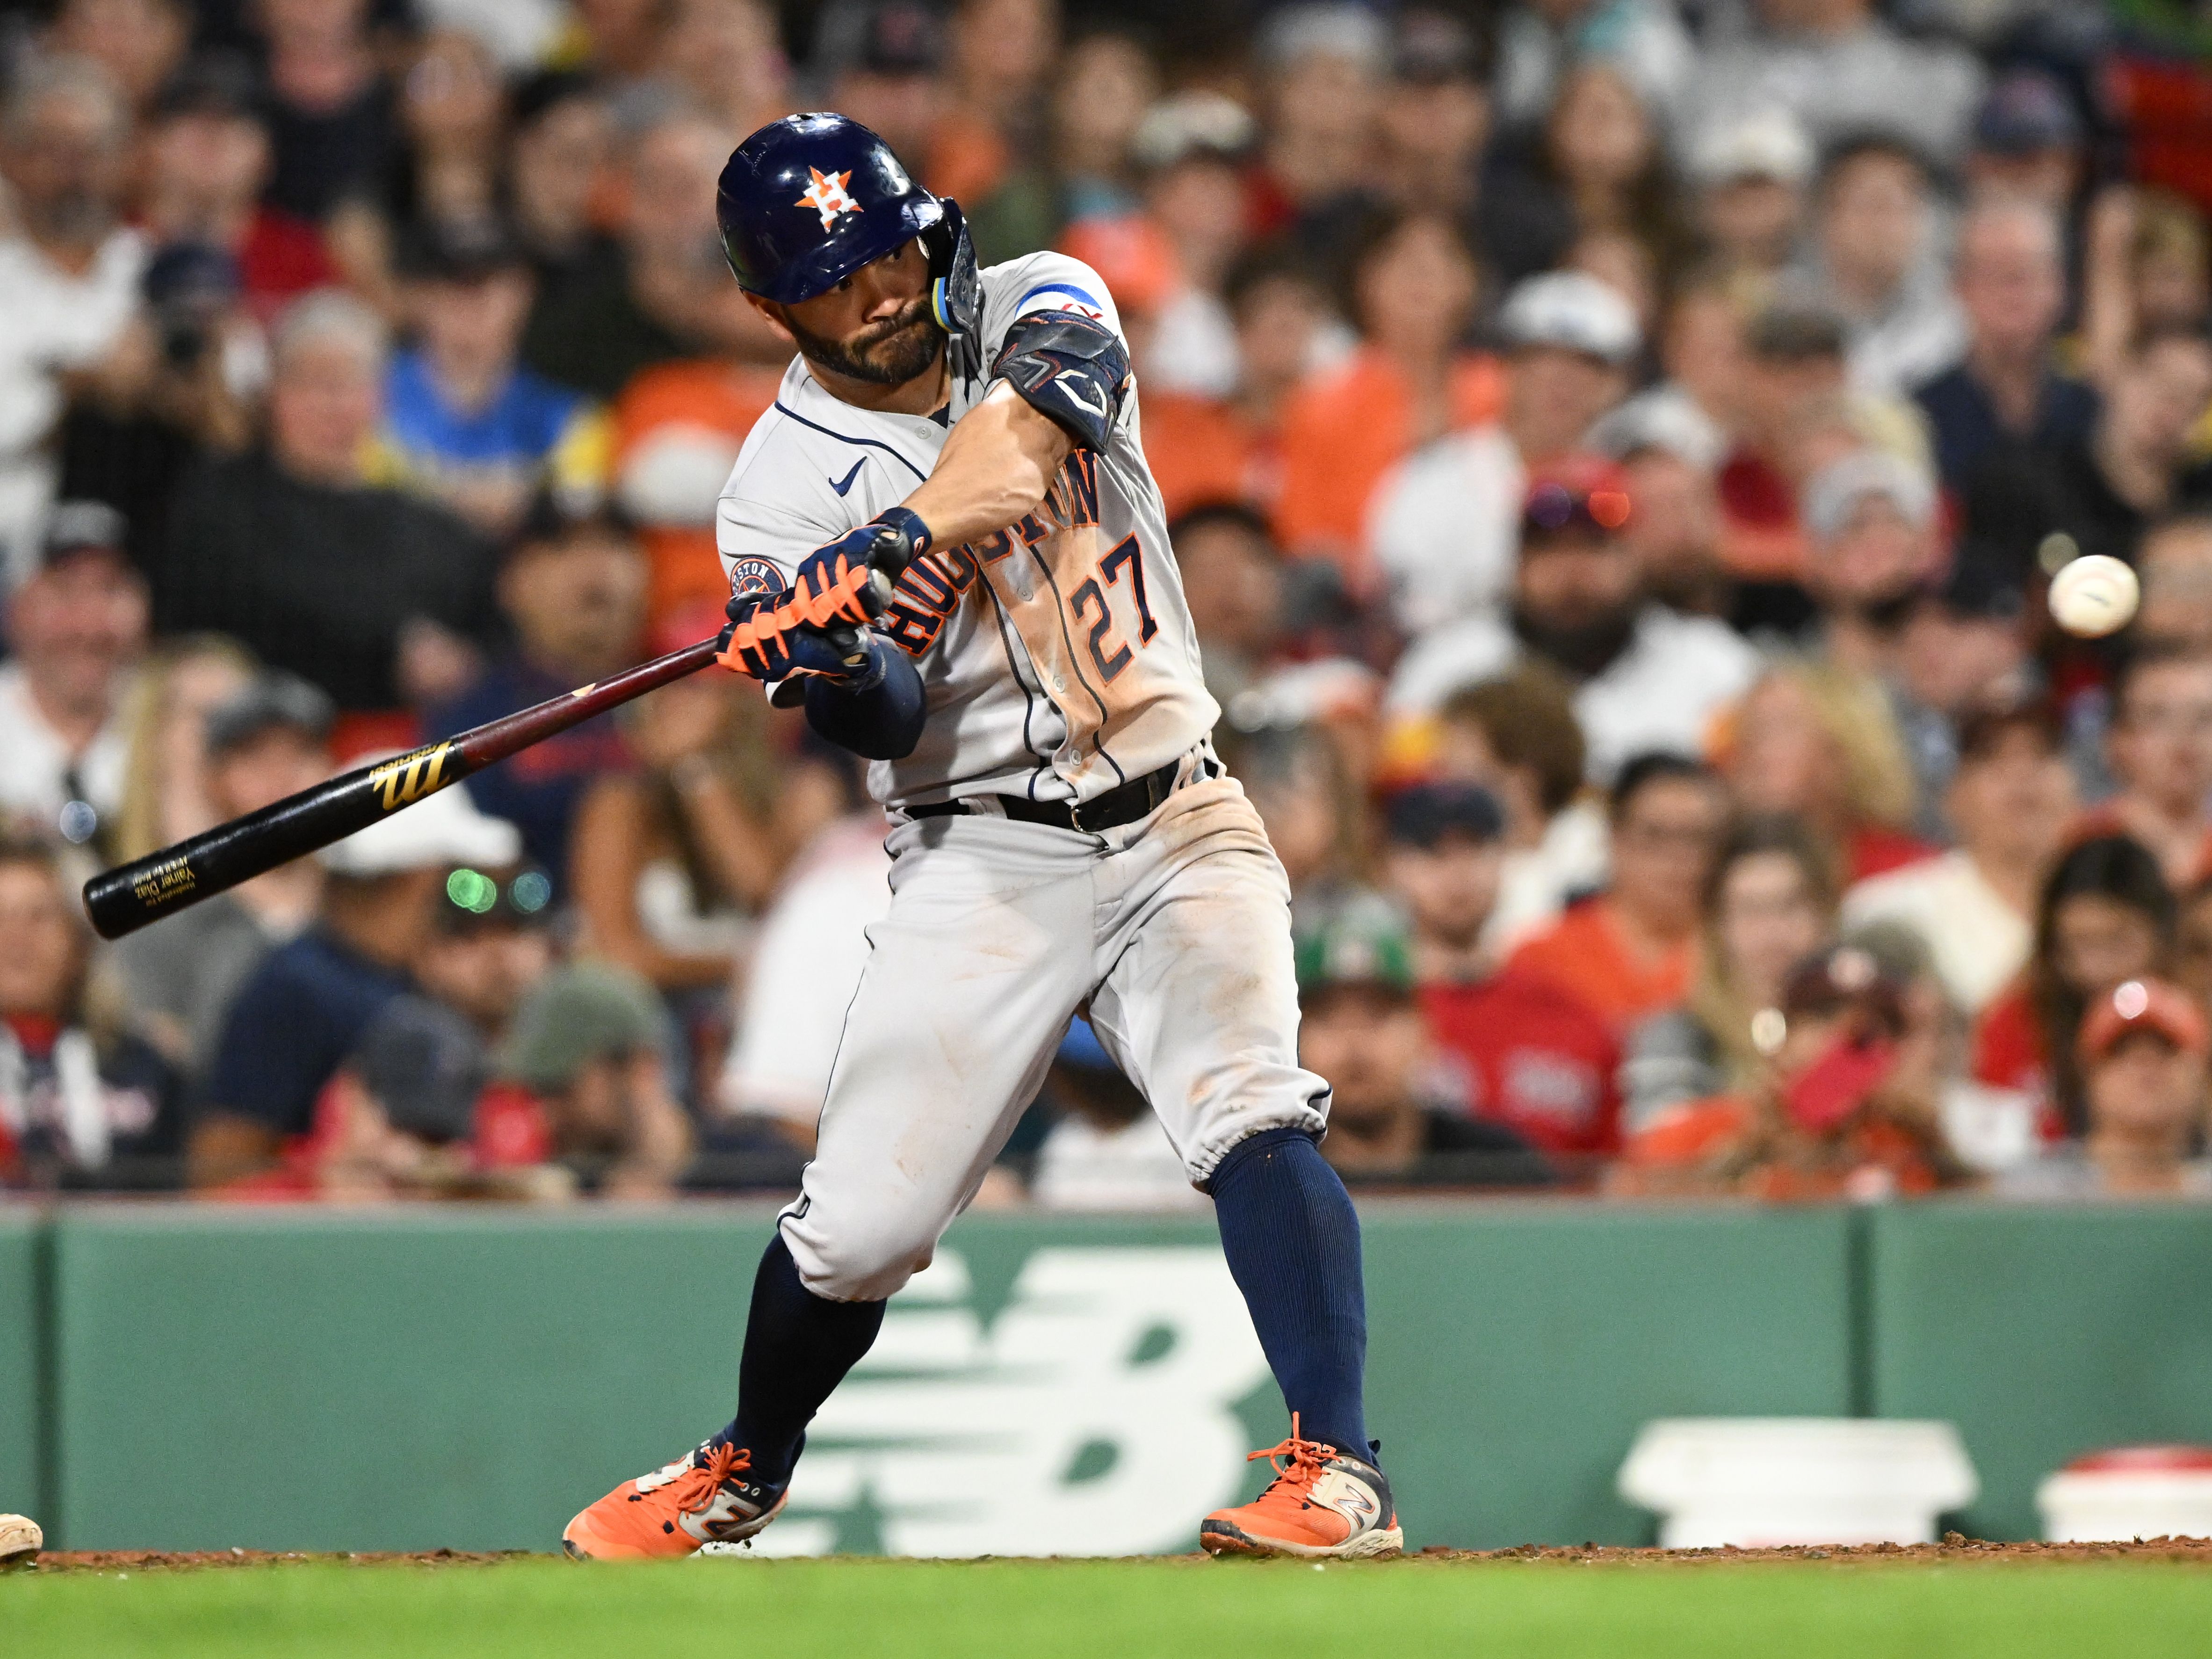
column 1063, row 839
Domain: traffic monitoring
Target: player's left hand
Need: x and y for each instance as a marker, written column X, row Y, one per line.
column 843, row 584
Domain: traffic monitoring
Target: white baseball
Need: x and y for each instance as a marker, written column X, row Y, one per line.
column 2095, row 595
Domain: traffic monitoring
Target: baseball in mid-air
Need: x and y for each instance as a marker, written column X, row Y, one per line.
column 2095, row 595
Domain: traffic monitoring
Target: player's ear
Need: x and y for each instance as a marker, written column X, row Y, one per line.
column 773, row 314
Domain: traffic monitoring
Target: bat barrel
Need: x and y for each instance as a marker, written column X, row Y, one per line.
column 125, row 899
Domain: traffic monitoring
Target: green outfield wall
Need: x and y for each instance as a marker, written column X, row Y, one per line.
column 189, row 1376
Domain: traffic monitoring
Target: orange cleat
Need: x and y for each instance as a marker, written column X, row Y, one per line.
column 1321, row 1503
column 701, row 1499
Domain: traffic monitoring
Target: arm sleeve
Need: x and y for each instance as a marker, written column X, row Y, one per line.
column 881, row 723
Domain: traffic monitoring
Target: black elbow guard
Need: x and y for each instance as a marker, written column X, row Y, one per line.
column 1071, row 370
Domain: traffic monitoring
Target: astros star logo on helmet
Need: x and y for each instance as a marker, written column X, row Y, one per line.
column 827, row 197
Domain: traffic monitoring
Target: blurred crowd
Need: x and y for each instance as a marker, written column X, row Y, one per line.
column 1617, row 453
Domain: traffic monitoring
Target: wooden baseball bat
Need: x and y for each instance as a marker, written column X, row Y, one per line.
column 123, row 900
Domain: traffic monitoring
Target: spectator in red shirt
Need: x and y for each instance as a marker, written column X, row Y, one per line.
column 1532, row 1059
column 1632, row 951
column 1360, row 1026
column 2160, row 749
column 2104, row 916
column 1770, row 904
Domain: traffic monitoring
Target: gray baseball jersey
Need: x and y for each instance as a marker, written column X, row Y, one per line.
column 1057, row 657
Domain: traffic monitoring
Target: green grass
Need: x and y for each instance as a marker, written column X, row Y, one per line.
column 1116, row 1610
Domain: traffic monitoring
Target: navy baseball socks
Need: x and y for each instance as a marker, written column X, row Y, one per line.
column 1292, row 1240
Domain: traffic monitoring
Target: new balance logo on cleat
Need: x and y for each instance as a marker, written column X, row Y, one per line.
column 701, row 1499
column 1321, row 1503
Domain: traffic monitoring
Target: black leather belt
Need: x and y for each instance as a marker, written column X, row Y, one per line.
column 1137, row 799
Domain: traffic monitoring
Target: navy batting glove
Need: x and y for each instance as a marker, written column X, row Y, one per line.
column 751, row 643
column 850, row 579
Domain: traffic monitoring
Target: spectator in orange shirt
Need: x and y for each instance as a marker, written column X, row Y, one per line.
column 1845, row 1106
column 2104, row 916
column 2159, row 747
column 1204, row 448
column 1413, row 294
column 1631, row 951
column 1530, row 1058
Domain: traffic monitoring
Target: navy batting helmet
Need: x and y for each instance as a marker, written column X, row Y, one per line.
column 808, row 200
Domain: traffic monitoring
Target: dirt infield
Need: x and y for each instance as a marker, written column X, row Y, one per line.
column 2194, row 1552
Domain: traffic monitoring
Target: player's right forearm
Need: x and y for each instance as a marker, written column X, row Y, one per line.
column 1000, row 461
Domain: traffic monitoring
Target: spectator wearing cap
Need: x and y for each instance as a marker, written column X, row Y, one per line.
column 1412, row 292
column 586, row 1047
column 2009, row 272
column 76, row 630
column 2029, row 143
column 1323, row 64
column 1234, row 582
column 68, row 271
column 1752, row 173
column 2100, row 491
column 367, row 591
column 1817, row 743
column 1874, row 259
column 1871, row 547
column 1540, row 43
column 1528, row 1057
column 1632, row 950
column 2159, row 748
column 270, row 739
column 1105, row 1150
column 1964, row 640
column 397, row 1118
column 1845, row 1104
column 884, row 62
column 1442, row 525
column 1840, row 68
column 2142, row 1052
column 1769, row 904
column 1360, row 1026
column 81, row 1104
column 491, row 945
column 207, row 159
column 573, row 591
column 307, row 1007
column 2104, row 916
column 465, row 424
column 1792, row 363
column 1516, row 736
column 1645, row 677
column 2009, row 801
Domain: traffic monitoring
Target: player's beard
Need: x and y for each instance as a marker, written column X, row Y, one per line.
column 884, row 354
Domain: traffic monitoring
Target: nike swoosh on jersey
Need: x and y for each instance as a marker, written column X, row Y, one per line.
column 841, row 488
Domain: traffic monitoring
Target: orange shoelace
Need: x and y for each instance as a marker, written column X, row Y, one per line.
column 722, row 1462
column 1298, row 1461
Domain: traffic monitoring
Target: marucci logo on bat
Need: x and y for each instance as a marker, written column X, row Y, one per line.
column 404, row 781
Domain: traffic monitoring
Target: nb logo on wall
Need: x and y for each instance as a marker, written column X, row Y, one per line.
column 1096, row 1416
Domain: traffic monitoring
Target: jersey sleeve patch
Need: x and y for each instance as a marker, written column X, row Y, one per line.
column 1062, row 296
column 755, row 578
